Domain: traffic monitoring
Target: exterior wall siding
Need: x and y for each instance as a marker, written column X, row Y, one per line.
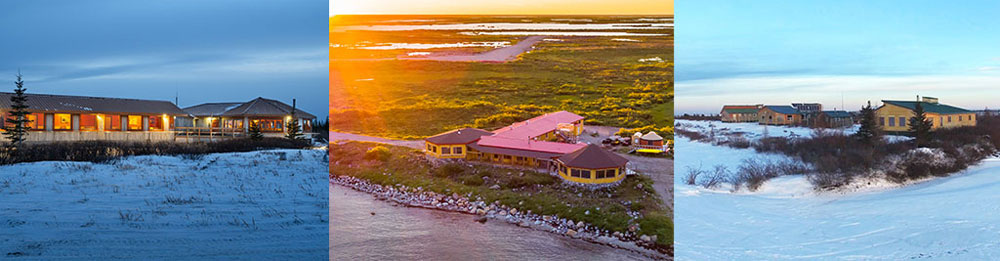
column 888, row 116
column 593, row 175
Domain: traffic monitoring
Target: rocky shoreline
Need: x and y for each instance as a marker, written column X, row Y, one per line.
column 417, row 197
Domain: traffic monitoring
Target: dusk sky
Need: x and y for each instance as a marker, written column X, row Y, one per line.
column 779, row 52
column 517, row 7
column 207, row 51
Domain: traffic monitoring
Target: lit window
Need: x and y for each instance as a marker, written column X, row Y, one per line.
column 134, row 123
column 88, row 122
column 62, row 121
column 112, row 122
column 36, row 121
column 155, row 123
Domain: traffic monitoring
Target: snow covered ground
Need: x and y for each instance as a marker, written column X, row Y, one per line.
column 753, row 130
column 256, row 205
column 953, row 218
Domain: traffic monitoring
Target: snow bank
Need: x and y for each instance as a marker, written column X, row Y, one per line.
column 255, row 205
column 945, row 218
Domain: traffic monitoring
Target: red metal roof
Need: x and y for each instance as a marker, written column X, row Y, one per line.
column 537, row 126
column 529, row 145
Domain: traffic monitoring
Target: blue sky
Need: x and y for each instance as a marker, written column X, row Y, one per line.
column 207, row 51
column 779, row 52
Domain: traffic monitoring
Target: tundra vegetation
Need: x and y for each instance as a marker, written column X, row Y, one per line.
column 833, row 160
column 633, row 202
column 595, row 77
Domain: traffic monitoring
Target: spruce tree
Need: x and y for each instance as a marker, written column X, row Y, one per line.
column 294, row 130
column 869, row 132
column 920, row 126
column 17, row 120
column 255, row 132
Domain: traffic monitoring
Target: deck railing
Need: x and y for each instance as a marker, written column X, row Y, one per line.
column 209, row 132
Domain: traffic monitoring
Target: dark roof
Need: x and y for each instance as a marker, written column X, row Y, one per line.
column 514, row 152
column 783, row 109
column 84, row 104
column 928, row 107
column 258, row 107
column 740, row 108
column 211, row 109
column 593, row 157
column 736, row 110
column 460, row 136
column 837, row 114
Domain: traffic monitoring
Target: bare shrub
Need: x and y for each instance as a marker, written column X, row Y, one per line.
column 692, row 175
column 719, row 174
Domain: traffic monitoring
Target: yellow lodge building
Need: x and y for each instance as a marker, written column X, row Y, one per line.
column 894, row 116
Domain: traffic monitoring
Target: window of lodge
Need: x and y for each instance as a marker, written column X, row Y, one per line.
column 585, row 174
column 445, row 150
column 62, row 121
column 134, row 123
column 574, row 173
column 36, row 121
column 88, row 122
column 458, row 150
column 155, row 123
column 112, row 122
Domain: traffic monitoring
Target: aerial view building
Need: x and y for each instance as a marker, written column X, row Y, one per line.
column 544, row 142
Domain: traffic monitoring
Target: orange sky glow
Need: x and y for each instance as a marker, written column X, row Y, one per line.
column 510, row 7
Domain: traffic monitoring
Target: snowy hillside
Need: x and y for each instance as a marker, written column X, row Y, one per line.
column 256, row 205
column 754, row 131
column 953, row 218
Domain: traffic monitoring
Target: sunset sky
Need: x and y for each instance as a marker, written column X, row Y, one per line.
column 516, row 7
column 779, row 52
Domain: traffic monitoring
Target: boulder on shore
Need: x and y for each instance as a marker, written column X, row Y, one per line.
column 481, row 219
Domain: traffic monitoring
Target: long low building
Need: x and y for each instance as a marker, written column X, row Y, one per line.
column 76, row 118
column 237, row 117
column 545, row 142
column 69, row 118
column 894, row 116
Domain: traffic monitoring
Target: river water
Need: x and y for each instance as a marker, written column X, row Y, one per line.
column 404, row 233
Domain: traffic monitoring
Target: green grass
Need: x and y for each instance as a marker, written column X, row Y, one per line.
column 539, row 192
column 595, row 77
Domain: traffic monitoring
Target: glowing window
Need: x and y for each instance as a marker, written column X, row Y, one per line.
column 155, row 123
column 134, row 123
column 112, row 122
column 62, row 121
column 88, row 122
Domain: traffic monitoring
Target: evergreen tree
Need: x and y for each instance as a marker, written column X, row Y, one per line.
column 870, row 132
column 255, row 132
column 294, row 129
column 920, row 126
column 17, row 120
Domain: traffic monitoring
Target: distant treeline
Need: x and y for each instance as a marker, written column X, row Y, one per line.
column 699, row 117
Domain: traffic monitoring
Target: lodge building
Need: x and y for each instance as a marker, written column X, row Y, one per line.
column 546, row 142
column 739, row 113
column 894, row 116
column 237, row 117
column 70, row 118
column 76, row 118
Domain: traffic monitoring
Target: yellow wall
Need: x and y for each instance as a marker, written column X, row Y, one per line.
column 564, row 172
column 435, row 150
column 938, row 121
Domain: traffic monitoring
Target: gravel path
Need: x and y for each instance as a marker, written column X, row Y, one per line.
column 497, row 55
column 339, row 136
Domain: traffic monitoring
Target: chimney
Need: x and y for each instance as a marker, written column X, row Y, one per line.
column 930, row 100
